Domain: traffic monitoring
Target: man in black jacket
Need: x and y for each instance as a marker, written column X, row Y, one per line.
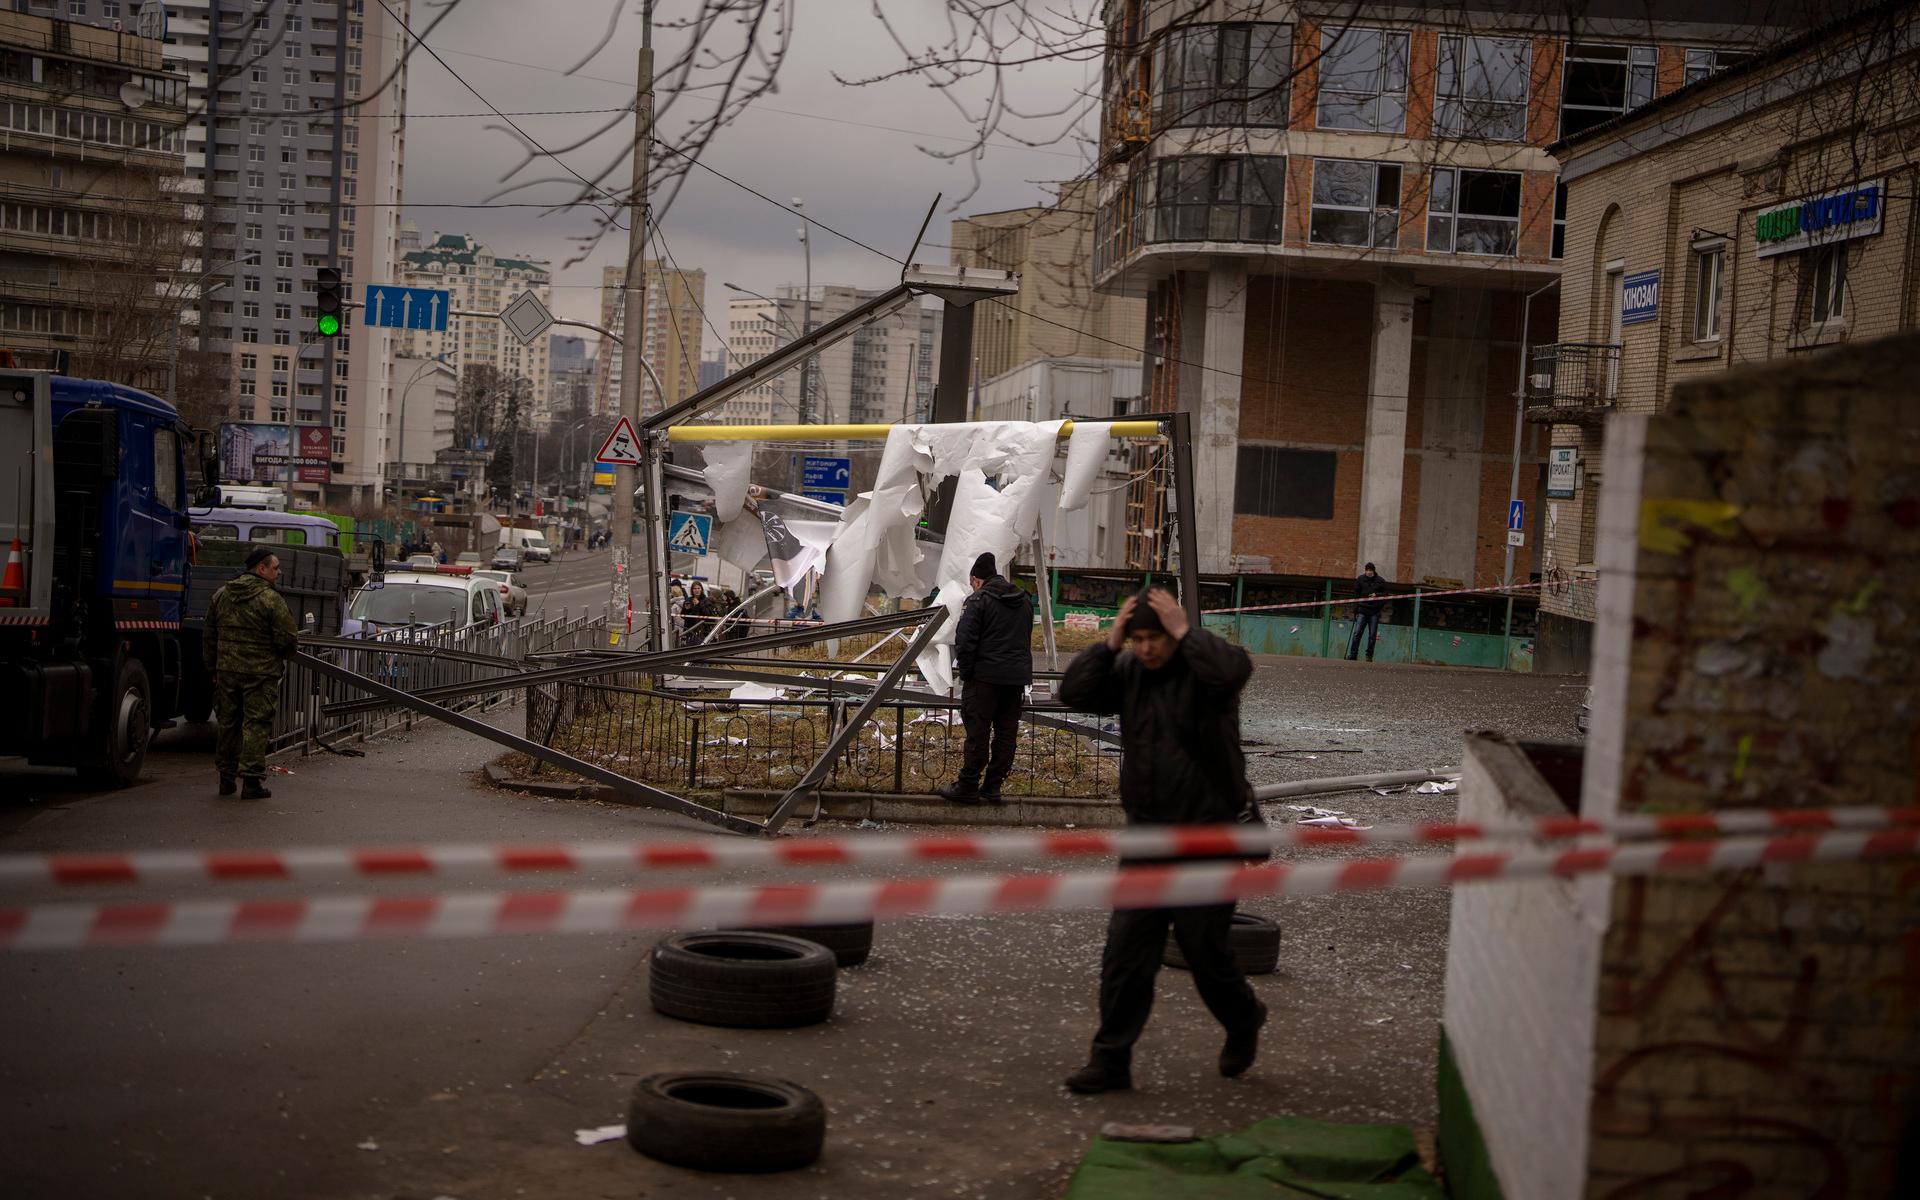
column 993, row 659
column 1177, row 690
column 1366, row 611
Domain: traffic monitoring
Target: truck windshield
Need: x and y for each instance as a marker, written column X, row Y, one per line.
column 403, row 603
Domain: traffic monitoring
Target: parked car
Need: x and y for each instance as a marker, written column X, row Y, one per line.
column 449, row 600
column 468, row 558
column 513, row 597
column 421, row 562
column 508, row 558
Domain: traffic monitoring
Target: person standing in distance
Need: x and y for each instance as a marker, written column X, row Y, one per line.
column 993, row 659
column 249, row 637
column 1176, row 689
column 1366, row 611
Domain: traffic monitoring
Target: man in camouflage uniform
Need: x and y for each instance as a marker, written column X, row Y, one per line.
column 249, row 636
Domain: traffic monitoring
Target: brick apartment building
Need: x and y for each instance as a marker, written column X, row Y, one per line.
column 1334, row 213
column 1763, row 213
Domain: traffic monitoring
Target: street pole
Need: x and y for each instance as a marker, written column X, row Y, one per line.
column 1519, row 414
column 627, row 478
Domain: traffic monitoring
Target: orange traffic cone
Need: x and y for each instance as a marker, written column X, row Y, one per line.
column 15, row 580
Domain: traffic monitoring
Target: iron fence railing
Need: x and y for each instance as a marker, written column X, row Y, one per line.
column 1573, row 377
column 711, row 743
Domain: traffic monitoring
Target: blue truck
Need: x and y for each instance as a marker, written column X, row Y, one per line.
column 94, row 499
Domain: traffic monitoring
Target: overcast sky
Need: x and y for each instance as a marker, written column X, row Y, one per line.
column 872, row 182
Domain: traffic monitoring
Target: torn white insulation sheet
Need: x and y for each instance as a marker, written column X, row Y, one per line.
column 728, row 466
column 742, row 542
column 756, row 691
column 1087, row 448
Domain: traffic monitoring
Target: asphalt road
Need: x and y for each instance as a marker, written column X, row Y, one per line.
column 461, row 1068
column 575, row 581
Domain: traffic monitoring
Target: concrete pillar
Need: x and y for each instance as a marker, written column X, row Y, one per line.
column 1216, row 418
column 1386, row 445
column 1452, row 435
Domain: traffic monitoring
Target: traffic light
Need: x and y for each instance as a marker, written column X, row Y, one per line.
column 328, row 302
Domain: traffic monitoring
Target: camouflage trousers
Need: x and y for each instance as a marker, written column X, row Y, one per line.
column 244, row 706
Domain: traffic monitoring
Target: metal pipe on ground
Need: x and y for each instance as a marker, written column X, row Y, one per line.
column 1347, row 783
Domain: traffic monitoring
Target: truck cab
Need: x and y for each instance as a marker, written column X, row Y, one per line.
column 94, row 502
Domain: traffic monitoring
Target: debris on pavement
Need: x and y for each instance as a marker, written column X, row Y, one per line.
column 1434, row 787
column 1395, row 790
column 603, row 1133
column 1324, row 818
column 369, row 1144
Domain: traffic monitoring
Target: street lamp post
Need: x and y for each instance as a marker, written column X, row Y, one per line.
column 400, row 485
column 807, row 372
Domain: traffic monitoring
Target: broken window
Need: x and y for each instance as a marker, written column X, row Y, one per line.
column 1355, row 203
column 1601, row 82
column 1473, row 212
column 1702, row 63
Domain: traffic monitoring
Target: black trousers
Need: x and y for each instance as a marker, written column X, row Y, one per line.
column 1136, row 940
column 990, row 711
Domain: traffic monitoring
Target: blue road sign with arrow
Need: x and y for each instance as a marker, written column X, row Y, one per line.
column 393, row 307
column 826, row 474
column 1516, row 514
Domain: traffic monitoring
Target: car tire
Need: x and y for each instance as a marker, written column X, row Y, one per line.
column 123, row 725
column 851, row 944
column 721, row 1121
column 1255, row 941
column 741, row 979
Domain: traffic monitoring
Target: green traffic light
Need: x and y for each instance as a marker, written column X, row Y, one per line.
column 329, row 324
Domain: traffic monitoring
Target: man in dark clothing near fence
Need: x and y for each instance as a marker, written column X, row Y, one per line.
column 248, row 637
column 1368, row 603
column 993, row 659
column 1176, row 688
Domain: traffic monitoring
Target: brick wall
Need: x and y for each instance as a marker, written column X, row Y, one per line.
column 1760, row 1031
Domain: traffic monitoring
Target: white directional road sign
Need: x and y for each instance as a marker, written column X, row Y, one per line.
column 689, row 533
column 622, row 447
column 526, row 318
column 393, row 307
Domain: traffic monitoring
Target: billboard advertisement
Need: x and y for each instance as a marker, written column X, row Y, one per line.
column 253, row 452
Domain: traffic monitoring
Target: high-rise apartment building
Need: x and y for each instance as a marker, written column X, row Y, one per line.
column 674, row 327
column 884, row 372
column 294, row 147
column 478, row 280
column 91, row 209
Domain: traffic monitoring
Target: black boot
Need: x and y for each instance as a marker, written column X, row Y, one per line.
column 963, row 791
column 226, row 785
column 1098, row 1077
column 254, row 790
column 1243, row 1047
column 990, row 792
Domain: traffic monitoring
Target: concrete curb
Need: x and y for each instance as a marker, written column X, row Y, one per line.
column 1058, row 812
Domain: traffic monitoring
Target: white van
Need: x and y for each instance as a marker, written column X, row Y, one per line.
column 530, row 542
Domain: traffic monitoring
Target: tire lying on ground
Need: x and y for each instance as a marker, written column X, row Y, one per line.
column 851, row 944
column 742, row 979
column 719, row 1121
column 1256, row 946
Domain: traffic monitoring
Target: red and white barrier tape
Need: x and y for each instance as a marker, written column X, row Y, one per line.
column 322, row 863
column 483, row 914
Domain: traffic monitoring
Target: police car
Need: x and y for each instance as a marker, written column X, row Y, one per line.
column 447, row 599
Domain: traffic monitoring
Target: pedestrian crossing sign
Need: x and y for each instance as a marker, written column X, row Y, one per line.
column 689, row 533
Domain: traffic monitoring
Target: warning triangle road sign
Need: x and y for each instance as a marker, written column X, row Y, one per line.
column 622, row 446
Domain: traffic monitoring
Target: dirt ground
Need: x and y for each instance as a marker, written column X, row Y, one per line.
column 941, row 1066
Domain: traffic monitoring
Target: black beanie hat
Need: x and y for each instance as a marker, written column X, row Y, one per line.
column 983, row 567
column 258, row 555
column 1143, row 615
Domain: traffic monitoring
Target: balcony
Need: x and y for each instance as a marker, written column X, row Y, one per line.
column 1573, row 383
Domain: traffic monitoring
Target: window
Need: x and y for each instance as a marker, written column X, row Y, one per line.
column 1473, row 212
column 287, row 181
column 277, row 415
column 1272, row 482
column 289, row 155
column 279, row 389
column 1204, row 198
column 257, row 126
column 257, row 152
column 1559, row 220
column 283, row 285
column 1601, row 82
column 250, row 283
column 283, row 259
column 292, row 77
column 250, row 309
column 253, row 231
column 1702, row 63
column 256, row 179
column 1224, row 75
column 1709, row 269
column 284, row 233
column 280, row 362
column 1363, row 80
column 1355, row 203
column 258, row 74
column 289, row 129
column 282, row 338
column 249, row 362
column 283, row 312
column 1481, row 90
column 249, row 334
column 110, row 8
column 166, row 468
column 1823, row 283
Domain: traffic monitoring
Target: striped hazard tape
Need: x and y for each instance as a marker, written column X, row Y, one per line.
column 317, row 864
column 483, row 914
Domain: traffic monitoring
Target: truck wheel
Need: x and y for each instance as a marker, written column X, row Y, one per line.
column 720, row 1121
column 118, row 745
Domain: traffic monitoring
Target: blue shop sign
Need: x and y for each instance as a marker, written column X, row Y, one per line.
column 1640, row 297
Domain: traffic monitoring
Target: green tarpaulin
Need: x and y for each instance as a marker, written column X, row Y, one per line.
column 1292, row 1158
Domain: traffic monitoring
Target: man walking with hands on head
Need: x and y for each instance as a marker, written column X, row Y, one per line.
column 993, row 659
column 1176, row 689
column 248, row 638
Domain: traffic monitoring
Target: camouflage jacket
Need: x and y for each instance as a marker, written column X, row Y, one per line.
column 249, row 630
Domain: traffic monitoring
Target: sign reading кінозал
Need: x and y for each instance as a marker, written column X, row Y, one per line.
column 1837, row 216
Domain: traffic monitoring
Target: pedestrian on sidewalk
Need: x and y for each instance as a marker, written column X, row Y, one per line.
column 697, row 614
column 1368, row 603
column 993, row 659
column 249, row 636
column 1176, row 688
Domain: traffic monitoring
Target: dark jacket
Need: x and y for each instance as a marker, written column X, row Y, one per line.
column 248, row 629
column 994, row 642
column 1365, row 586
column 1179, row 727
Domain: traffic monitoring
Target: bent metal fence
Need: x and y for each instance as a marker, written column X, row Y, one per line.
column 459, row 658
column 708, row 742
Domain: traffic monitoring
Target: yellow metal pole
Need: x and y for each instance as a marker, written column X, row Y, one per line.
column 851, row 433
